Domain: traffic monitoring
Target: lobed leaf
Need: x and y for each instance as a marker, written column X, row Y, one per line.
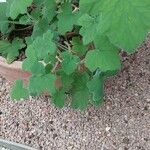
column 15, row 7
column 40, row 84
column 67, row 17
column 18, row 91
column 59, row 99
column 49, row 9
column 90, row 27
column 70, row 63
column 11, row 50
column 78, row 46
column 3, row 18
column 96, row 89
column 80, row 92
column 104, row 60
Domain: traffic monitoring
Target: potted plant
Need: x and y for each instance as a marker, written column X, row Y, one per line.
column 68, row 46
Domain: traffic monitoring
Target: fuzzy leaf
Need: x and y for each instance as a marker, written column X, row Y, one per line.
column 78, row 46
column 28, row 40
column 128, row 22
column 87, row 5
column 25, row 20
column 18, row 91
column 11, row 50
column 96, row 88
column 3, row 18
column 4, row 45
column 80, row 99
column 67, row 17
column 39, row 50
column 40, row 84
column 38, row 2
column 104, row 60
column 36, row 14
column 40, row 27
column 49, row 10
column 69, row 63
column 90, row 27
column 31, row 58
column 38, row 69
column 103, row 43
column 66, row 80
column 59, row 99
column 17, row 7
column 43, row 45
column 80, row 93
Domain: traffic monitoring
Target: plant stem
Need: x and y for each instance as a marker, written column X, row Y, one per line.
column 62, row 46
column 55, row 67
column 13, row 22
column 68, row 45
column 57, row 57
column 29, row 27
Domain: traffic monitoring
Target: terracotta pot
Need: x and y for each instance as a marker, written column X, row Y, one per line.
column 13, row 71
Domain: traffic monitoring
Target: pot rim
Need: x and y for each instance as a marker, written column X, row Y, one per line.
column 15, row 64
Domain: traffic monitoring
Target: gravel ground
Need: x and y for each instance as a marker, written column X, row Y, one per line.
column 122, row 123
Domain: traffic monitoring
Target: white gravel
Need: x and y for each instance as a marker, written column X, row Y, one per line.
column 122, row 123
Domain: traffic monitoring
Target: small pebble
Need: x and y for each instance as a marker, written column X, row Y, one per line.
column 107, row 129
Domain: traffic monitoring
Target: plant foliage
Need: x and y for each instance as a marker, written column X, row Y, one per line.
column 75, row 43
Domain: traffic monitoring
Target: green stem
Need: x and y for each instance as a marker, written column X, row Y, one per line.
column 13, row 22
column 29, row 27
column 62, row 46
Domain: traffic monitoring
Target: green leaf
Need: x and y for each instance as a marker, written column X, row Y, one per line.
column 11, row 50
column 128, row 24
column 78, row 46
column 3, row 18
column 59, row 99
column 31, row 58
column 38, row 3
column 40, row 27
column 104, row 60
column 66, row 80
column 80, row 99
column 25, row 20
column 103, row 25
column 49, row 10
column 38, row 69
column 36, row 14
column 69, row 63
column 90, row 27
column 86, row 6
column 28, row 40
column 15, row 7
column 80, row 93
column 51, row 58
column 40, row 84
column 67, row 17
column 18, row 91
column 96, row 88
column 48, row 68
column 44, row 45
column 39, row 50
column 103, row 43
column 4, row 45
